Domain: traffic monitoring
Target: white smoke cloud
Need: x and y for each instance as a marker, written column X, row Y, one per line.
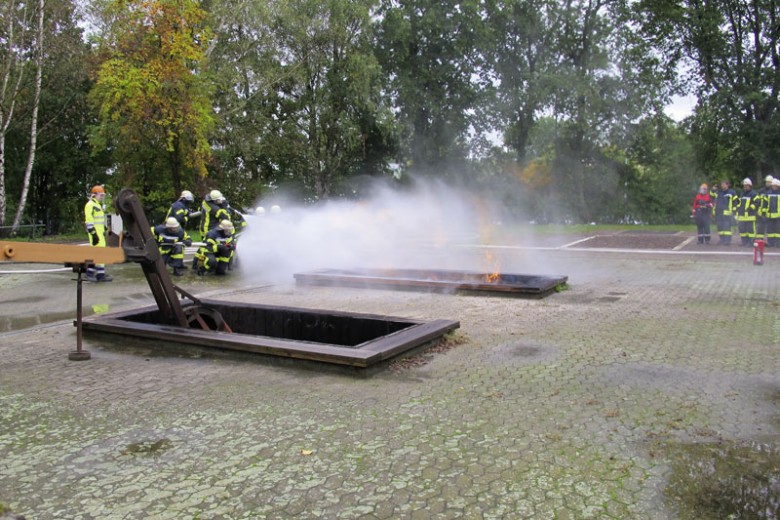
column 424, row 227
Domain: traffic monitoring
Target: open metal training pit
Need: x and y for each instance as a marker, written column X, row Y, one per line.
column 435, row 279
column 343, row 338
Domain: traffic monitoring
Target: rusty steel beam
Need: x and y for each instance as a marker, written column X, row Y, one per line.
column 140, row 246
column 59, row 253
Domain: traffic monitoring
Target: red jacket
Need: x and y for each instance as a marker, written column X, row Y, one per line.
column 702, row 202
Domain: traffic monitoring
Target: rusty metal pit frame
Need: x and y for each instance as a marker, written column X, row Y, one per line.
column 436, row 280
column 343, row 338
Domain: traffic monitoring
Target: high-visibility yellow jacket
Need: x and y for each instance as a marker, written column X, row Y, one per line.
column 94, row 216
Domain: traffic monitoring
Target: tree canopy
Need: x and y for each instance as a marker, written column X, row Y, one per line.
column 555, row 107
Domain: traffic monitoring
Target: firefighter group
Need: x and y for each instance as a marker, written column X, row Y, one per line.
column 219, row 226
column 755, row 213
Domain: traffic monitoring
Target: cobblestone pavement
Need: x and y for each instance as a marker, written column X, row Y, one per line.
column 570, row 406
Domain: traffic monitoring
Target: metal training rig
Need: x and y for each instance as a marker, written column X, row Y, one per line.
column 137, row 244
column 140, row 246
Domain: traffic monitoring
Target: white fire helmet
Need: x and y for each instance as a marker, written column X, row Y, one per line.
column 768, row 179
column 775, row 182
column 172, row 223
column 747, row 182
column 276, row 209
column 187, row 195
column 216, row 196
column 226, row 225
column 260, row 210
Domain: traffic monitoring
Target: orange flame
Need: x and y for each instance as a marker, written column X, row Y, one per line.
column 493, row 264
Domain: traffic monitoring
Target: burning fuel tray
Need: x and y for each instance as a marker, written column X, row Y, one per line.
column 333, row 337
column 435, row 279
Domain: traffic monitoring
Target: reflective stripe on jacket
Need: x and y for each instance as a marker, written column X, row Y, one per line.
column 770, row 205
column 747, row 207
column 725, row 202
column 94, row 214
column 211, row 215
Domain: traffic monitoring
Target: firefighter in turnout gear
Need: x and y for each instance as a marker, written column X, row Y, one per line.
column 236, row 217
column 702, row 212
column 725, row 201
column 216, row 254
column 180, row 210
column 770, row 209
column 747, row 210
column 172, row 238
column 95, row 222
column 761, row 219
column 212, row 211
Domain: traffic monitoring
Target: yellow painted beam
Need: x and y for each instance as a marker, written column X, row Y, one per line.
column 59, row 254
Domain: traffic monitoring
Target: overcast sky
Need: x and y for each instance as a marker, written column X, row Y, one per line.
column 681, row 107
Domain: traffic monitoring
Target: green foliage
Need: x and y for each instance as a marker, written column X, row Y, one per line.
column 152, row 101
column 662, row 174
column 64, row 167
column 553, row 108
column 429, row 52
column 299, row 89
column 733, row 51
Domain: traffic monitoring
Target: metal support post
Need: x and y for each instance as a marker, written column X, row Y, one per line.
column 79, row 354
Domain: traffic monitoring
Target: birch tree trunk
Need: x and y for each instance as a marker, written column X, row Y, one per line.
column 33, row 120
column 9, row 90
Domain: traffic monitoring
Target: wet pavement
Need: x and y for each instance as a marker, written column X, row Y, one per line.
column 648, row 389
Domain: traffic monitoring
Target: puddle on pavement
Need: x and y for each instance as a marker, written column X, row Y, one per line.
column 725, row 480
column 12, row 324
column 522, row 353
column 152, row 449
column 526, row 351
column 25, row 299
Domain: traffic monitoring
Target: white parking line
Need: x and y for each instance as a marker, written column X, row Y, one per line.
column 690, row 239
column 577, row 242
column 748, row 252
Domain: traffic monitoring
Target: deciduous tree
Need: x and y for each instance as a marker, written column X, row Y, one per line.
column 430, row 52
column 153, row 101
column 731, row 49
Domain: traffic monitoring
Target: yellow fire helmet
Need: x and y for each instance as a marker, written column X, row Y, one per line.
column 172, row 223
column 226, row 225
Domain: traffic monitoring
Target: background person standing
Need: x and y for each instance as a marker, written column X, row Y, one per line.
column 747, row 209
column 725, row 200
column 95, row 222
column 761, row 219
column 702, row 213
column 770, row 206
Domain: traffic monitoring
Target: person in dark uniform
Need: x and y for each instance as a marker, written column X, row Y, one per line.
column 746, row 211
column 172, row 238
column 760, row 218
column 212, row 212
column 771, row 208
column 181, row 209
column 216, row 254
column 725, row 200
